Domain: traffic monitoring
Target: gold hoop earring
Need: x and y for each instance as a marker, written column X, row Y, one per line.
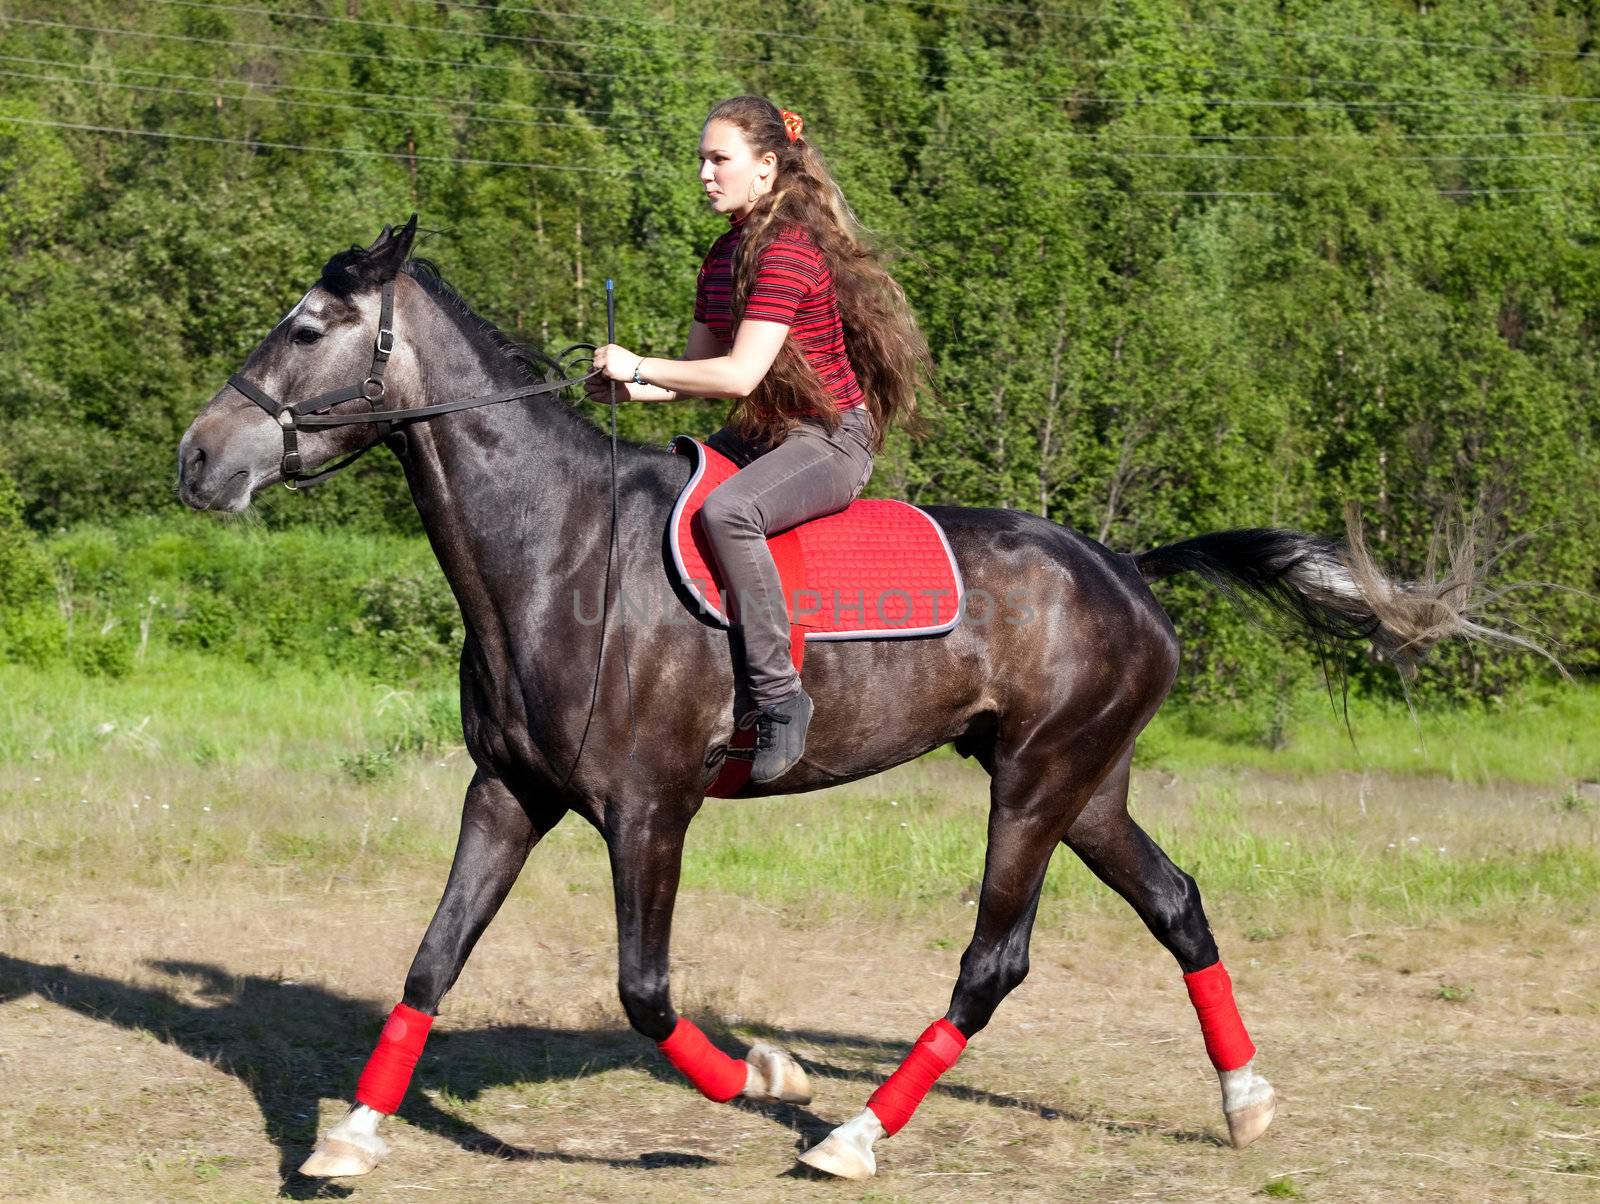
column 750, row 194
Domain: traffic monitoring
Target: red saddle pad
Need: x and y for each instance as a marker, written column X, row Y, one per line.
column 878, row 569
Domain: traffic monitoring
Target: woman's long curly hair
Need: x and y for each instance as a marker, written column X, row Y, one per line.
column 886, row 347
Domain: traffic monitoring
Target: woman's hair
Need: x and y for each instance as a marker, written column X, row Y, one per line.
column 886, row 348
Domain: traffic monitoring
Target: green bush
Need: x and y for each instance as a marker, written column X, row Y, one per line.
column 24, row 569
column 34, row 636
column 204, row 621
column 376, row 605
column 101, row 653
column 414, row 616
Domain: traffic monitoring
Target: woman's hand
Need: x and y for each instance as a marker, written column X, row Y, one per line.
column 599, row 390
column 616, row 363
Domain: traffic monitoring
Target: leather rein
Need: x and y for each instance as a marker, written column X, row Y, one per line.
column 309, row 416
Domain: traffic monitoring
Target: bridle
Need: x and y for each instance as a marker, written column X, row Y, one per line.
column 309, row 416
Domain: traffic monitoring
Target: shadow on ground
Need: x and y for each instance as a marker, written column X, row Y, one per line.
column 295, row 1044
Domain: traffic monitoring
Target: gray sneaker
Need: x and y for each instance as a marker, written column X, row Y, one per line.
column 780, row 736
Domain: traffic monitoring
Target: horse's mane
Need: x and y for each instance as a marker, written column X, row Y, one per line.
column 532, row 362
column 536, row 363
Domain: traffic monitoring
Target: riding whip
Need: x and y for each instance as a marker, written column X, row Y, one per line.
column 622, row 608
column 605, row 599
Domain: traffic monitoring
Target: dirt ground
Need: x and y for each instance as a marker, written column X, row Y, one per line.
column 181, row 1044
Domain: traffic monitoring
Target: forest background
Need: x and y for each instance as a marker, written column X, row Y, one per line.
column 1184, row 266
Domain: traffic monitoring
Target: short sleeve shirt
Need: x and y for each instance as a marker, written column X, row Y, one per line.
column 792, row 286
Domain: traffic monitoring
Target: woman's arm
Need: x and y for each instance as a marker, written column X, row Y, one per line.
column 702, row 345
column 735, row 374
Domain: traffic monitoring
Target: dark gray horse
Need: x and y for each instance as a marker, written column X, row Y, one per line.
column 1048, row 694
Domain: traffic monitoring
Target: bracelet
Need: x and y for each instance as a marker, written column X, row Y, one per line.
column 636, row 378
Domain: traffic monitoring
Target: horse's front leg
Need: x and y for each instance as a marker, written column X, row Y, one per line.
column 497, row 834
column 646, row 848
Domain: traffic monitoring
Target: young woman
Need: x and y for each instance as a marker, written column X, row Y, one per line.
column 795, row 317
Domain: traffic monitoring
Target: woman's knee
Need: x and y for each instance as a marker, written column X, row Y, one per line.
column 725, row 510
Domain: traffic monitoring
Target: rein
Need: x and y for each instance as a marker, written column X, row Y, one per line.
column 309, row 416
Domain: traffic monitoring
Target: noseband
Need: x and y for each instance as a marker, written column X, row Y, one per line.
column 308, row 415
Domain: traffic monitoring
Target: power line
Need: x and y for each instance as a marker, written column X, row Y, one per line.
column 431, row 62
column 1076, row 151
column 282, row 49
column 1204, row 99
column 559, row 15
column 647, row 23
column 216, row 93
column 1237, row 73
column 1332, row 139
column 1284, row 31
column 322, row 50
column 415, row 158
column 1074, row 135
column 1337, row 137
column 254, row 84
column 522, row 39
column 327, row 150
column 1119, row 154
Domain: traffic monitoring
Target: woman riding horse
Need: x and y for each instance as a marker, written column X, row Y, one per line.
column 813, row 409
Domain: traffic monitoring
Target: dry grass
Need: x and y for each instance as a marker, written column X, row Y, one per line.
column 189, row 994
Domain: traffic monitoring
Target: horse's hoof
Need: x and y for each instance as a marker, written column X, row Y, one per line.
column 840, row 1157
column 335, row 1159
column 1245, row 1125
column 782, row 1079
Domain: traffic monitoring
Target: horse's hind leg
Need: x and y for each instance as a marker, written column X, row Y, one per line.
column 497, row 834
column 1033, row 798
column 1168, row 901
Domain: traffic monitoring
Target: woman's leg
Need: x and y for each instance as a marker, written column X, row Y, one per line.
column 811, row 473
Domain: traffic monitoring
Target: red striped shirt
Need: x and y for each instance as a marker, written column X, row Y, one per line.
column 792, row 286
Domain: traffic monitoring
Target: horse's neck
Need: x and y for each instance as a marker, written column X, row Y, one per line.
column 509, row 495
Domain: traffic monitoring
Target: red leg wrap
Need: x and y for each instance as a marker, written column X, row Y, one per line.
column 388, row 1072
column 1211, row 992
column 933, row 1054
column 717, row 1076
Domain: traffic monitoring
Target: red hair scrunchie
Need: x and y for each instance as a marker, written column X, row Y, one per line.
column 794, row 123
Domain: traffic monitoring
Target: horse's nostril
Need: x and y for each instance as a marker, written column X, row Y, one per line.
column 195, row 462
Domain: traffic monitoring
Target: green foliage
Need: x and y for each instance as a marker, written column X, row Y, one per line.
column 1367, row 267
column 412, row 724
column 24, row 571
column 101, row 654
column 374, row 604
column 1535, row 735
column 413, row 615
column 34, row 636
column 369, row 765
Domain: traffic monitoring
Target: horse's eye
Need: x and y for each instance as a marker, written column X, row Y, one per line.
column 306, row 335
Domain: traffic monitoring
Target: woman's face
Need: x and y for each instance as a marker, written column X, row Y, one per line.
column 734, row 176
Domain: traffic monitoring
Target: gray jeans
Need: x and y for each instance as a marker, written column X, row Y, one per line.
column 811, row 473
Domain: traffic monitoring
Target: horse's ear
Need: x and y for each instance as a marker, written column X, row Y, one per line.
column 391, row 249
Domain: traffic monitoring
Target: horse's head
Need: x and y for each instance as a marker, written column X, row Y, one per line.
column 326, row 343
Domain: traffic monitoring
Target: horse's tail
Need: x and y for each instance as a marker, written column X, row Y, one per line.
column 1335, row 591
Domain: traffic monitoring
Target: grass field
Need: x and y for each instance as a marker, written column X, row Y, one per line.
column 215, row 882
